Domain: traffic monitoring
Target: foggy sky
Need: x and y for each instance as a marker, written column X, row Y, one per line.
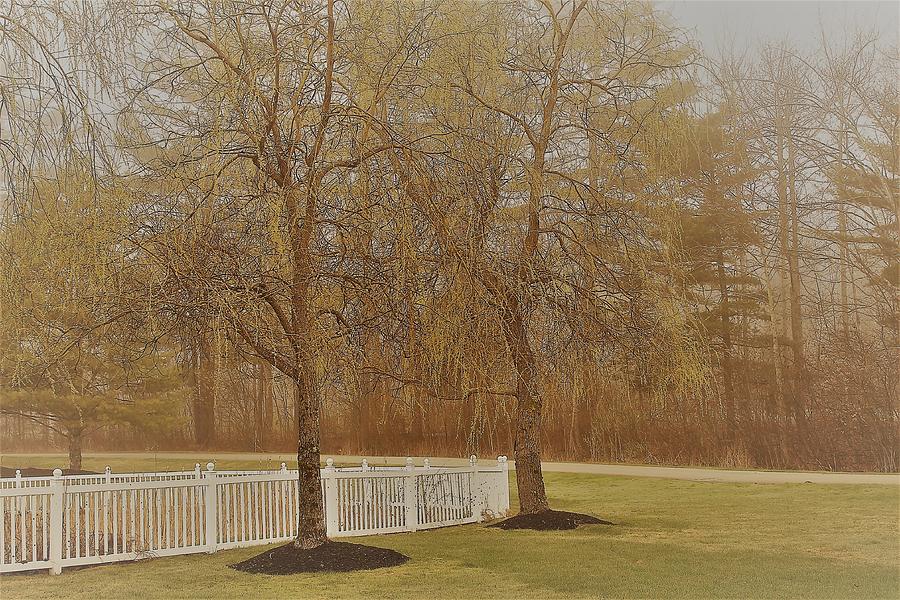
column 747, row 24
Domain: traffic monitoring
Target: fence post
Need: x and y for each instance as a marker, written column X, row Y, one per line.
column 57, row 498
column 503, row 463
column 107, row 479
column 477, row 500
column 411, row 497
column 212, row 513
column 365, row 464
column 197, row 472
column 18, row 478
column 331, row 499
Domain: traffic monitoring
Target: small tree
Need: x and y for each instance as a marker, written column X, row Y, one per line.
column 73, row 358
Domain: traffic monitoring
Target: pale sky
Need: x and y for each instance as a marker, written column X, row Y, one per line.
column 745, row 24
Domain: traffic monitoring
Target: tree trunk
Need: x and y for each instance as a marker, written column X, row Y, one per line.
column 529, row 478
column 311, row 520
column 311, row 525
column 797, row 343
column 268, row 421
column 725, row 318
column 205, row 394
column 844, row 260
column 262, row 408
column 75, row 450
column 295, row 430
column 367, row 403
column 793, row 389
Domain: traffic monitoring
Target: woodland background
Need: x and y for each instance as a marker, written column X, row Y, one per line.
column 716, row 272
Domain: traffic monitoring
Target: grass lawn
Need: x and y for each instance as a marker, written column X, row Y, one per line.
column 673, row 539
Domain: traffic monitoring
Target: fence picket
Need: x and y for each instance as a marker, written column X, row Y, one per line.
column 271, row 500
column 131, row 525
column 114, row 501
column 192, row 502
column 159, row 526
column 3, row 513
column 45, row 546
column 14, row 518
column 182, row 492
column 167, row 501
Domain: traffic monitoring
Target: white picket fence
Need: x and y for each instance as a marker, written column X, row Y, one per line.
column 63, row 521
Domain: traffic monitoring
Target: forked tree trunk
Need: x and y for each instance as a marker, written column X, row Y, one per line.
column 530, row 480
column 301, row 215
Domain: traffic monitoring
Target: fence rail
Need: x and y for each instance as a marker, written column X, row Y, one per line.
column 63, row 521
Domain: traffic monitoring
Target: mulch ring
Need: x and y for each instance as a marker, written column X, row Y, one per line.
column 330, row 556
column 549, row 520
column 33, row 472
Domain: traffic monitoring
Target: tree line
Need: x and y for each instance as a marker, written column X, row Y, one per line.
column 446, row 227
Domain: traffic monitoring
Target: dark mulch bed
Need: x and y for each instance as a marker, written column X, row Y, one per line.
column 33, row 472
column 549, row 520
column 330, row 556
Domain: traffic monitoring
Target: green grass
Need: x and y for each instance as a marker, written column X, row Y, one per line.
column 673, row 539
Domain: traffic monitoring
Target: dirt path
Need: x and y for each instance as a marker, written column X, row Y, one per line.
column 686, row 473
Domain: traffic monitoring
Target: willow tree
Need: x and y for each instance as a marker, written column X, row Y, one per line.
column 247, row 127
column 530, row 200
